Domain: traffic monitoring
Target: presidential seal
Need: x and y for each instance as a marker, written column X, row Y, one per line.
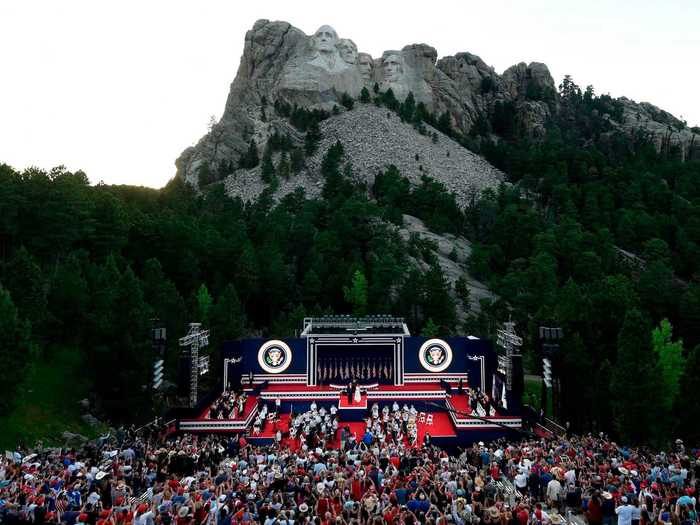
column 435, row 355
column 274, row 356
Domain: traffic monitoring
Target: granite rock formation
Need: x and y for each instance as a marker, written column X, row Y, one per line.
column 384, row 140
column 280, row 63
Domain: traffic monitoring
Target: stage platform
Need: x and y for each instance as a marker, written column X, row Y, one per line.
column 451, row 412
column 427, row 377
column 440, row 427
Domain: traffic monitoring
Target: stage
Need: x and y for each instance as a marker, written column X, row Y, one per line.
column 451, row 386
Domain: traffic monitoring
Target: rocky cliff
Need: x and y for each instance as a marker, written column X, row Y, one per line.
column 374, row 138
column 281, row 64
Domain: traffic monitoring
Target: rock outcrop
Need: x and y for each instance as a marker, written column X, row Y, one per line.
column 661, row 128
column 374, row 138
column 452, row 268
column 280, row 63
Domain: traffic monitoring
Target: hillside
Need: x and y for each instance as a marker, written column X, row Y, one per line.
column 373, row 139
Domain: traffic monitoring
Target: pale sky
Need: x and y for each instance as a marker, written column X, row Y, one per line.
column 119, row 89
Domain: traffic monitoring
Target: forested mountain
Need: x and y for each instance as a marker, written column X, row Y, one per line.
column 595, row 229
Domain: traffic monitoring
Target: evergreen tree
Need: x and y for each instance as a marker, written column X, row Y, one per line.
column 388, row 99
column 227, row 316
column 364, row 96
column 687, row 409
column 463, row 293
column 111, row 225
column 637, row 406
column 283, row 167
column 68, row 298
column 347, row 101
column 439, row 304
column 130, row 344
column 250, row 159
column 312, row 138
column 311, row 288
column 430, row 329
column 444, row 124
column 15, row 349
column 356, row 293
column 671, row 361
column 297, row 160
column 408, row 107
column 25, row 283
column 267, row 169
column 203, row 302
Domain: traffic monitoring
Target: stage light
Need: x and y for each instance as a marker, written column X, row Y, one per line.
column 547, row 372
column 157, row 374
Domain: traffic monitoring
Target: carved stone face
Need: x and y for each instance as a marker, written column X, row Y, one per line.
column 348, row 50
column 325, row 39
column 366, row 65
column 393, row 68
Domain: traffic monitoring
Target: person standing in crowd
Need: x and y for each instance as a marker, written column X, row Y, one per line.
column 625, row 512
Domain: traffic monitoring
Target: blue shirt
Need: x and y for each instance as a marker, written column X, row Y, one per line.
column 401, row 495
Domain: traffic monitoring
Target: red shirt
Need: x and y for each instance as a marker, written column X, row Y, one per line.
column 356, row 489
column 523, row 516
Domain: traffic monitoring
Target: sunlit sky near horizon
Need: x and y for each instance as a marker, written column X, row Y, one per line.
column 119, row 89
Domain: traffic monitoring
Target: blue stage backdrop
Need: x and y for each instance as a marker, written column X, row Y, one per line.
column 423, row 359
column 476, row 357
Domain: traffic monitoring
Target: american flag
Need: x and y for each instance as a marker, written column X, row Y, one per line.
column 61, row 504
column 144, row 498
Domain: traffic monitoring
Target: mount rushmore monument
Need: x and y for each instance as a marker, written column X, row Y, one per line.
column 280, row 63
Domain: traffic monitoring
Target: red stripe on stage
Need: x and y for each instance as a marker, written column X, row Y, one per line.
column 409, row 387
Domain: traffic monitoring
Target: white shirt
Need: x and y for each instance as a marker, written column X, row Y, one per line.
column 624, row 514
column 570, row 476
column 554, row 489
column 145, row 519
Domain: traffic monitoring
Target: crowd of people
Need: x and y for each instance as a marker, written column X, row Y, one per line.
column 230, row 405
column 321, row 426
column 225, row 480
